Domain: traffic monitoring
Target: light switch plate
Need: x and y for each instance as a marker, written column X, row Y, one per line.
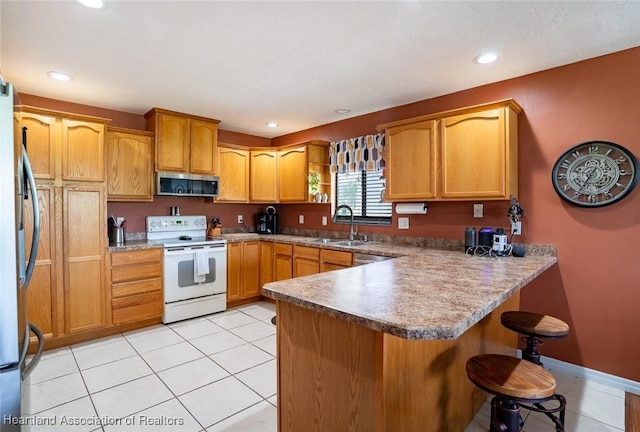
column 301, row 219
column 403, row 223
column 516, row 228
column 478, row 210
column 324, row 220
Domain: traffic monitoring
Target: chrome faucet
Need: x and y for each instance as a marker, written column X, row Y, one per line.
column 352, row 233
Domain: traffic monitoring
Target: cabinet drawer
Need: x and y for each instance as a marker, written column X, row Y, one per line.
column 336, row 257
column 306, row 252
column 136, row 287
column 136, row 257
column 283, row 249
column 138, row 272
column 137, row 307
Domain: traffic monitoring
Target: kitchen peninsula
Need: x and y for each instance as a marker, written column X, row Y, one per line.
column 382, row 347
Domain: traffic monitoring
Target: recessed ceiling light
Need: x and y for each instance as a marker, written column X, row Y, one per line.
column 486, row 58
column 60, row 76
column 94, row 4
column 272, row 124
column 343, row 111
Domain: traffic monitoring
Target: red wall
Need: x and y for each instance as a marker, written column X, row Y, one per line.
column 596, row 285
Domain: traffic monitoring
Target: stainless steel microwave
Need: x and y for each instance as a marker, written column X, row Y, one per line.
column 179, row 184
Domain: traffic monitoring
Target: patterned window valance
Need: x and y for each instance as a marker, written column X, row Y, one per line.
column 357, row 154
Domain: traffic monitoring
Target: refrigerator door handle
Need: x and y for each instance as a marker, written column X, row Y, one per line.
column 36, row 357
column 35, row 239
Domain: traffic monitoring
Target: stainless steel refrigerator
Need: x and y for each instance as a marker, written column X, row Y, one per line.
column 16, row 266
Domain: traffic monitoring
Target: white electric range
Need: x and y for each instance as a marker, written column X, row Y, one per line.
column 187, row 292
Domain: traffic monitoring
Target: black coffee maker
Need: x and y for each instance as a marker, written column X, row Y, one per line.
column 267, row 222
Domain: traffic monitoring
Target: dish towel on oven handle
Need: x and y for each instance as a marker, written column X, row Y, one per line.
column 200, row 265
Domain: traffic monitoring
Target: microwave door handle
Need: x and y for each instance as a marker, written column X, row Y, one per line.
column 37, row 355
column 35, row 239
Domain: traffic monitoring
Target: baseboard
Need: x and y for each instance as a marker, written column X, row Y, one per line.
column 591, row 374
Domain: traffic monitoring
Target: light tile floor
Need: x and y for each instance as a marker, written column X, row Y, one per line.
column 215, row 374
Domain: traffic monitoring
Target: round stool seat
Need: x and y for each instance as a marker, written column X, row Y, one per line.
column 533, row 324
column 509, row 376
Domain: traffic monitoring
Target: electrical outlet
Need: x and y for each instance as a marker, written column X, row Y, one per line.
column 301, row 219
column 516, row 228
column 240, row 219
column 403, row 223
column 478, row 210
column 324, row 220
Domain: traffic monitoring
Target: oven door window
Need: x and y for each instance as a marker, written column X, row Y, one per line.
column 185, row 273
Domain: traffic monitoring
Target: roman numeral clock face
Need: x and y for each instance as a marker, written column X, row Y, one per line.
column 595, row 174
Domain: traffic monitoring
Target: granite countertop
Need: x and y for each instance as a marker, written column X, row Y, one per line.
column 425, row 294
column 133, row 245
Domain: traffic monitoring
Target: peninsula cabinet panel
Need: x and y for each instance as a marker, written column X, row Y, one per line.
column 204, row 146
column 411, row 159
column 292, row 169
column 84, row 258
column 129, row 165
column 264, row 175
column 42, row 300
column 480, row 155
column 43, row 137
column 234, row 174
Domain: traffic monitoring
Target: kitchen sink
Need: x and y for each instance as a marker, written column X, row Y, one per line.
column 326, row 240
column 352, row 243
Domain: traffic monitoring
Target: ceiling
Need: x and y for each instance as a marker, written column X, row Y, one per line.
column 294, row 62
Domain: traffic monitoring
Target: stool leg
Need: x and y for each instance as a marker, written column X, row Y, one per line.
column 505, row 415
column 531, row 352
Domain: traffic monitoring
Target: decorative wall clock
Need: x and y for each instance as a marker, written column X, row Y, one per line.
column 595, row 174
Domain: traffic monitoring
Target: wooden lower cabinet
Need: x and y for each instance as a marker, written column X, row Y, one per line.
column 266, row 262
column 282, row 261
column 306, row 260
column 334, row 260
column 136, row 285
column 243, row 272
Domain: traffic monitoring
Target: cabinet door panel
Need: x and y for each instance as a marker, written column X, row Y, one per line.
column 411, row 161
column 266, row 263
column 172, row 138
column 305, row 266
column 130, row 167
column 251, row 286
column 263, row 175
column 234, row 174
column 292, row 169
column 42, row 140
column 41, row 295
column 204, row 144
column 234, row 271
column 83, row 251
column 473, row 155
column 82, row 151
column 283, row 267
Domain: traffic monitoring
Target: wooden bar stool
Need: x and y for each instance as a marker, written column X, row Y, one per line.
column 515, row 383
column 534, row 326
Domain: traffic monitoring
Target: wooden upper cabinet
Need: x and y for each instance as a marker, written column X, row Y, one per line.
column 411, row 169
column 184, row 143
column 480, row 155
column 233, row 170
column 43, row 137
column 204, row 144
column 292, row 169
column 83, row 150
column 264, row 176
column 64, row 146
column 464, row 154
column 129, row 165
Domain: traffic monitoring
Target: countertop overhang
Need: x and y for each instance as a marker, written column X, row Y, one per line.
column 425, row 294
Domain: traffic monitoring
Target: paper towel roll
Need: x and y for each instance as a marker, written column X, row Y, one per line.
column 411, row 208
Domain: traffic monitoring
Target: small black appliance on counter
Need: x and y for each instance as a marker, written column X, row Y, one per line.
column 267, row 223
